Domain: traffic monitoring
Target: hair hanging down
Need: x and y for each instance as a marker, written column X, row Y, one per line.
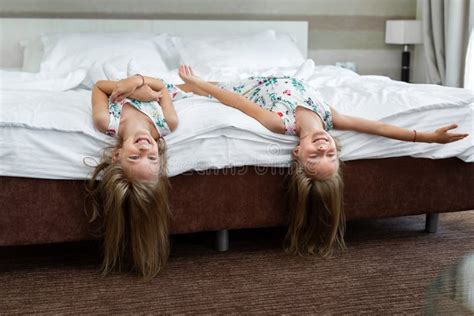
column 132, row 216
column 316, row 216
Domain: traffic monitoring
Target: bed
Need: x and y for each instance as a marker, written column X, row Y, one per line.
column 227, row 171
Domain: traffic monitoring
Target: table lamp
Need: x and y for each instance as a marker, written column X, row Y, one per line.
column 404, row 32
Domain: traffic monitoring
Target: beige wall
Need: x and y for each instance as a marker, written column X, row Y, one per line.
column 340, row 30
column 418, row 74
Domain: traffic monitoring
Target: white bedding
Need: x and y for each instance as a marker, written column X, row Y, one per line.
column 47, row 133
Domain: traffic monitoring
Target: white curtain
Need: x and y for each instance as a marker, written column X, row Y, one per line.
column 445, row 36
column 469, row 69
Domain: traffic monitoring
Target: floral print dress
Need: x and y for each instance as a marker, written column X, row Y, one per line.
column 282, row 95
column 151, row 109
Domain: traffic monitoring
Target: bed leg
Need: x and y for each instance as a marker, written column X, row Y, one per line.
column 431, row 225
column 222, row 240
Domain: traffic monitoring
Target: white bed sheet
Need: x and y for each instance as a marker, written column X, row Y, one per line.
column 47, row 134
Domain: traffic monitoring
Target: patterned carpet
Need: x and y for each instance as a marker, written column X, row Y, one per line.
column 386, row 270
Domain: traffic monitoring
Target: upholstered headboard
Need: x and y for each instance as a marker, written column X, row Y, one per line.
column 15, row 30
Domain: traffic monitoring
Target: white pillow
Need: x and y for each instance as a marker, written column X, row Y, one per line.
column 305, row 70
column 109, row 71
column 167, row 50
column 67, row 52
column 259, row 51
column 114, row 69
column 44, row 81
column 136, row 66
column 32, row 54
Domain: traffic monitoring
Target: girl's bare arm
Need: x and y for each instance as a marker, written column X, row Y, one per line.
column 100, row 103
column 153, row 89
column 268, row 119
column 126, row 87
column 169, row 112
column 186, row 87
column 441, row 135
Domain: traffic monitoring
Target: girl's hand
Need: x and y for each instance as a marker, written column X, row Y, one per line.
column 145, row 93
column 186, row 73
column 125, row 88
column 442, row 136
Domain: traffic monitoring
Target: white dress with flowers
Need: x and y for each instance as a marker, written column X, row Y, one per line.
column 282, row 95
column 151, row 109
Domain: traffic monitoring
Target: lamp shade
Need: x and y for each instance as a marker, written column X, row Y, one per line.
column 403, row 32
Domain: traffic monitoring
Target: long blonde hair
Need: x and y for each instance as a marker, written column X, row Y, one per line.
column 132, row 217
column 316, row 215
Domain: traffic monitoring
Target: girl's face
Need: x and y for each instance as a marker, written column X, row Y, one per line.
column 318, row 154
column 139, row 157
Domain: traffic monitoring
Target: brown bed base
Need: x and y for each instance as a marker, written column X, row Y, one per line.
column 35, row 211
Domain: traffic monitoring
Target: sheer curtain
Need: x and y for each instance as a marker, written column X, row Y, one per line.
column 469, row 69
column 446, row 25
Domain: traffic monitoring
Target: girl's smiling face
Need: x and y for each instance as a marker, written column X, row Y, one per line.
column 139, row 157
column 318, row 154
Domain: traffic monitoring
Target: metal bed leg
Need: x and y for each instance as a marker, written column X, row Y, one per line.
column 222, row 240
column 431, row 225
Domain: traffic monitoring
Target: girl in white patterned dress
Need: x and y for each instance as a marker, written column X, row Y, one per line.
column 289, row 106
column 130, row 203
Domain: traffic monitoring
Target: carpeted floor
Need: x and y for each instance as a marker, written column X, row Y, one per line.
column 386, row 269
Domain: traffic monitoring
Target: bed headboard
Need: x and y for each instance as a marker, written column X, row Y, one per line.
column 14, row 30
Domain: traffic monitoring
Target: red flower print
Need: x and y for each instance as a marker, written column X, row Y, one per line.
column 287, row 92
column 175, row 94
column 280, row 114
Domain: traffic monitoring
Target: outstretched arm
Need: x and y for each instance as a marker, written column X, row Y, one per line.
column 268, row 119
column 187, row 87
column 441, row 135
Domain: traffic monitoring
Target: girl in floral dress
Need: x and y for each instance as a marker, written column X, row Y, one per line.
column 130, row 203
column 289, row 106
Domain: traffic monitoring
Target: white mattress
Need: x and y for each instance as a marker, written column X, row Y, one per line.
column 46, row 133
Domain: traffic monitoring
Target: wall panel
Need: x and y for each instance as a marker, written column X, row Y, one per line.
column 340, row 30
